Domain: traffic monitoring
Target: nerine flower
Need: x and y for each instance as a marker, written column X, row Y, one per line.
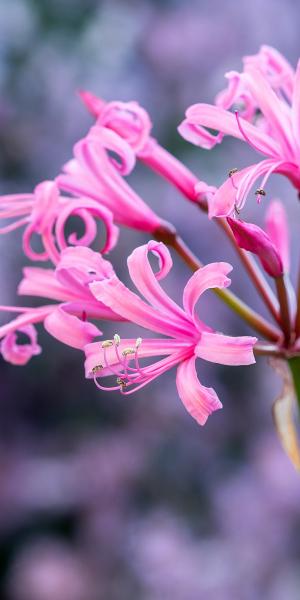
column 261, row 106
column 132, row 123
column 187, row 337
column 45, row 213
column 66, row 319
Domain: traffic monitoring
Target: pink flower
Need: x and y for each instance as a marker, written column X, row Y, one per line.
column 132, row 123
column 187, row 338
column 268, row 91
column 66, row 320
column 45, row 212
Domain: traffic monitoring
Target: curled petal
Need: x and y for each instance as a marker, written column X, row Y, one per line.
column 145, row 279
column 223, row 121
column 251, row 237
column 199, row 136
column 111, row 141
column 198, row 400
column 211, row 276
column 20, row 354
column 84, row 265
column 69, row 329
column 45, row 208
column 226, row 350
column 76, row 207
column 129, row 120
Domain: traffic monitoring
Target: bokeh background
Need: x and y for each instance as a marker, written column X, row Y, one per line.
column 103, row 498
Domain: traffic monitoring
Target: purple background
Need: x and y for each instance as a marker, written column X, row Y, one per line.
column 103, row 498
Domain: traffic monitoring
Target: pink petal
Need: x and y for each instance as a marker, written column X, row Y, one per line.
column 233, row 192
column 251, row 237
column 296, row 108
column 75, row 207
column 20, row 354
column 113, row 293
column 94, row 104
column 80, row 266
column 42, row 283
column 211, row 276
column 206, row 115
column 198, row 400
column 69, row 329
column 272, row 109
column 146, row 281
column 226, row 350
column 197, row 135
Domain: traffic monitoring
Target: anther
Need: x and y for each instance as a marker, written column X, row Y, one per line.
column 232, row 172
column 107, row 344
column 127, row 351
column 260, row 192
column 237, row 210
column 117, row 339
column 96, row 369
column 121, row 382
column 138, row 342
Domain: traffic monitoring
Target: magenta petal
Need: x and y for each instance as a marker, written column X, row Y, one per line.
column 253, row 238
column 198, row 400
column 113, row 293
column 20, row 354
column 213, row 275
column 226, row 350
column 69, row 329
column 146, row 281
column 278, row 231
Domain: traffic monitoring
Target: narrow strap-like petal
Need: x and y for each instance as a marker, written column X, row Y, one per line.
column 207, row 115
column 146, row 281
column 213, row 275
column 121, row 300
column 226, row 350
column 69, row 329
column 198, row 400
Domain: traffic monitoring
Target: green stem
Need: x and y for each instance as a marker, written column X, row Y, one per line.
column 294, row 364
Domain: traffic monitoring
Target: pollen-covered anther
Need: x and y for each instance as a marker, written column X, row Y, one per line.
column 107, row 344
column 121, row 382
column 96, row 369
column 128, row 351
column 260, row 192
column 117, row 339
column 232, row 172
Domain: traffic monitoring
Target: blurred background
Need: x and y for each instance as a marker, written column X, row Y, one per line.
column 103, row 498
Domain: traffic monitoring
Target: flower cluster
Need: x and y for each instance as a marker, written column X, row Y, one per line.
column 260, row 106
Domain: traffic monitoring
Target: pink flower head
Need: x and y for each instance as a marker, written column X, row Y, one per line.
column 95, row 174
column 45, row 212
column 132, row 123
column 128, row 119
column 271, row 246
column 267, row 94
column 66, row 320
column 187, row 337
